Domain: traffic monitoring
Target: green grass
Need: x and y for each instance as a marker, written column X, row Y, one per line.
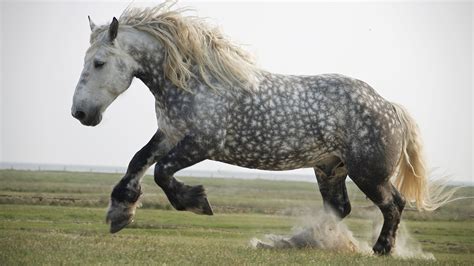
column 58, row 218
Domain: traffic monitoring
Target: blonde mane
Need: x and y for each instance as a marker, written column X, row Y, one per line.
column 192, row 48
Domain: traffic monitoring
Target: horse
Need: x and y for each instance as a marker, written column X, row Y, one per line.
column 213, row 102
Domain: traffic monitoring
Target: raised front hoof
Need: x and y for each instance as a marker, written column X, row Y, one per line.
column 191, row 198
column 119, row 215
column 204, row 208
column 116, row 226
column 382, row 249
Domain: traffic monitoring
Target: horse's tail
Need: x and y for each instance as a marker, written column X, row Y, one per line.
column 411, row 178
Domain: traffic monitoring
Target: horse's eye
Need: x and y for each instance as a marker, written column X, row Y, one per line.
column 98, row 64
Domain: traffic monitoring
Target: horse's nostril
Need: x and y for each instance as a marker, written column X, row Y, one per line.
column 79, row 115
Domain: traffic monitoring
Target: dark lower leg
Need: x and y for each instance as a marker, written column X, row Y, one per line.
column 337, row 201
column 391, row 204
column 181, row 196
column 125, row 195
column 333, row 190
column 128, row 188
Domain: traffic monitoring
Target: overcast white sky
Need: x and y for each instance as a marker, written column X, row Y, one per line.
column 419, row 55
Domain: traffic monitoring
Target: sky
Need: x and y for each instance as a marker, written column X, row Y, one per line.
column 417, row 54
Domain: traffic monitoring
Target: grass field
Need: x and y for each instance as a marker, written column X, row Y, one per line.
column 58, row 218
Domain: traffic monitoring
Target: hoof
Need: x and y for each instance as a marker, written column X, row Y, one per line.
column 119, row 215
column 116, row 226
column 380, row 249
column 189, row 198
column 204, row 208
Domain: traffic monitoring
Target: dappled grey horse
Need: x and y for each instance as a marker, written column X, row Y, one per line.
column 212, row 102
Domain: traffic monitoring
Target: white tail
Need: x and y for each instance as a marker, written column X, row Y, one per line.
column 411, row 179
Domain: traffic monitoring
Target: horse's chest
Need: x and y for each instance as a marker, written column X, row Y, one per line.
column 172, row 127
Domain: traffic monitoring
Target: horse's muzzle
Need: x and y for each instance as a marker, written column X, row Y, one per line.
column 87, row 119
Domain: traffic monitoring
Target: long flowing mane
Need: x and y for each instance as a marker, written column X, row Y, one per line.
column 189, row 42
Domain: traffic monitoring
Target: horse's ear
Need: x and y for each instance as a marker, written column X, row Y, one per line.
column 91, row 23
column 113, row 29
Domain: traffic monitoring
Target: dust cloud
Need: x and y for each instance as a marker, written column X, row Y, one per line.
column 326, row 232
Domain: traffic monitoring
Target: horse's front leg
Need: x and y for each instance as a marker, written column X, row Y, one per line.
column 125, row 195
column 331, row 175
column 183, row 197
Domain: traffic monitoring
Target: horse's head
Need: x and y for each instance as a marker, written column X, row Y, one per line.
column 108, row 71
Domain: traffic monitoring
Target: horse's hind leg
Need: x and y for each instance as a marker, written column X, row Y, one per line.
column 391, row 204
column 331, row 174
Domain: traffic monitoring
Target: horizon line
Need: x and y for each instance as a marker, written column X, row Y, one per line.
column 212, row 173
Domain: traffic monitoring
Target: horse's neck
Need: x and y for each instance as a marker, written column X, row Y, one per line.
column 145, row 50
column 149, row 54
column 150, row 71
